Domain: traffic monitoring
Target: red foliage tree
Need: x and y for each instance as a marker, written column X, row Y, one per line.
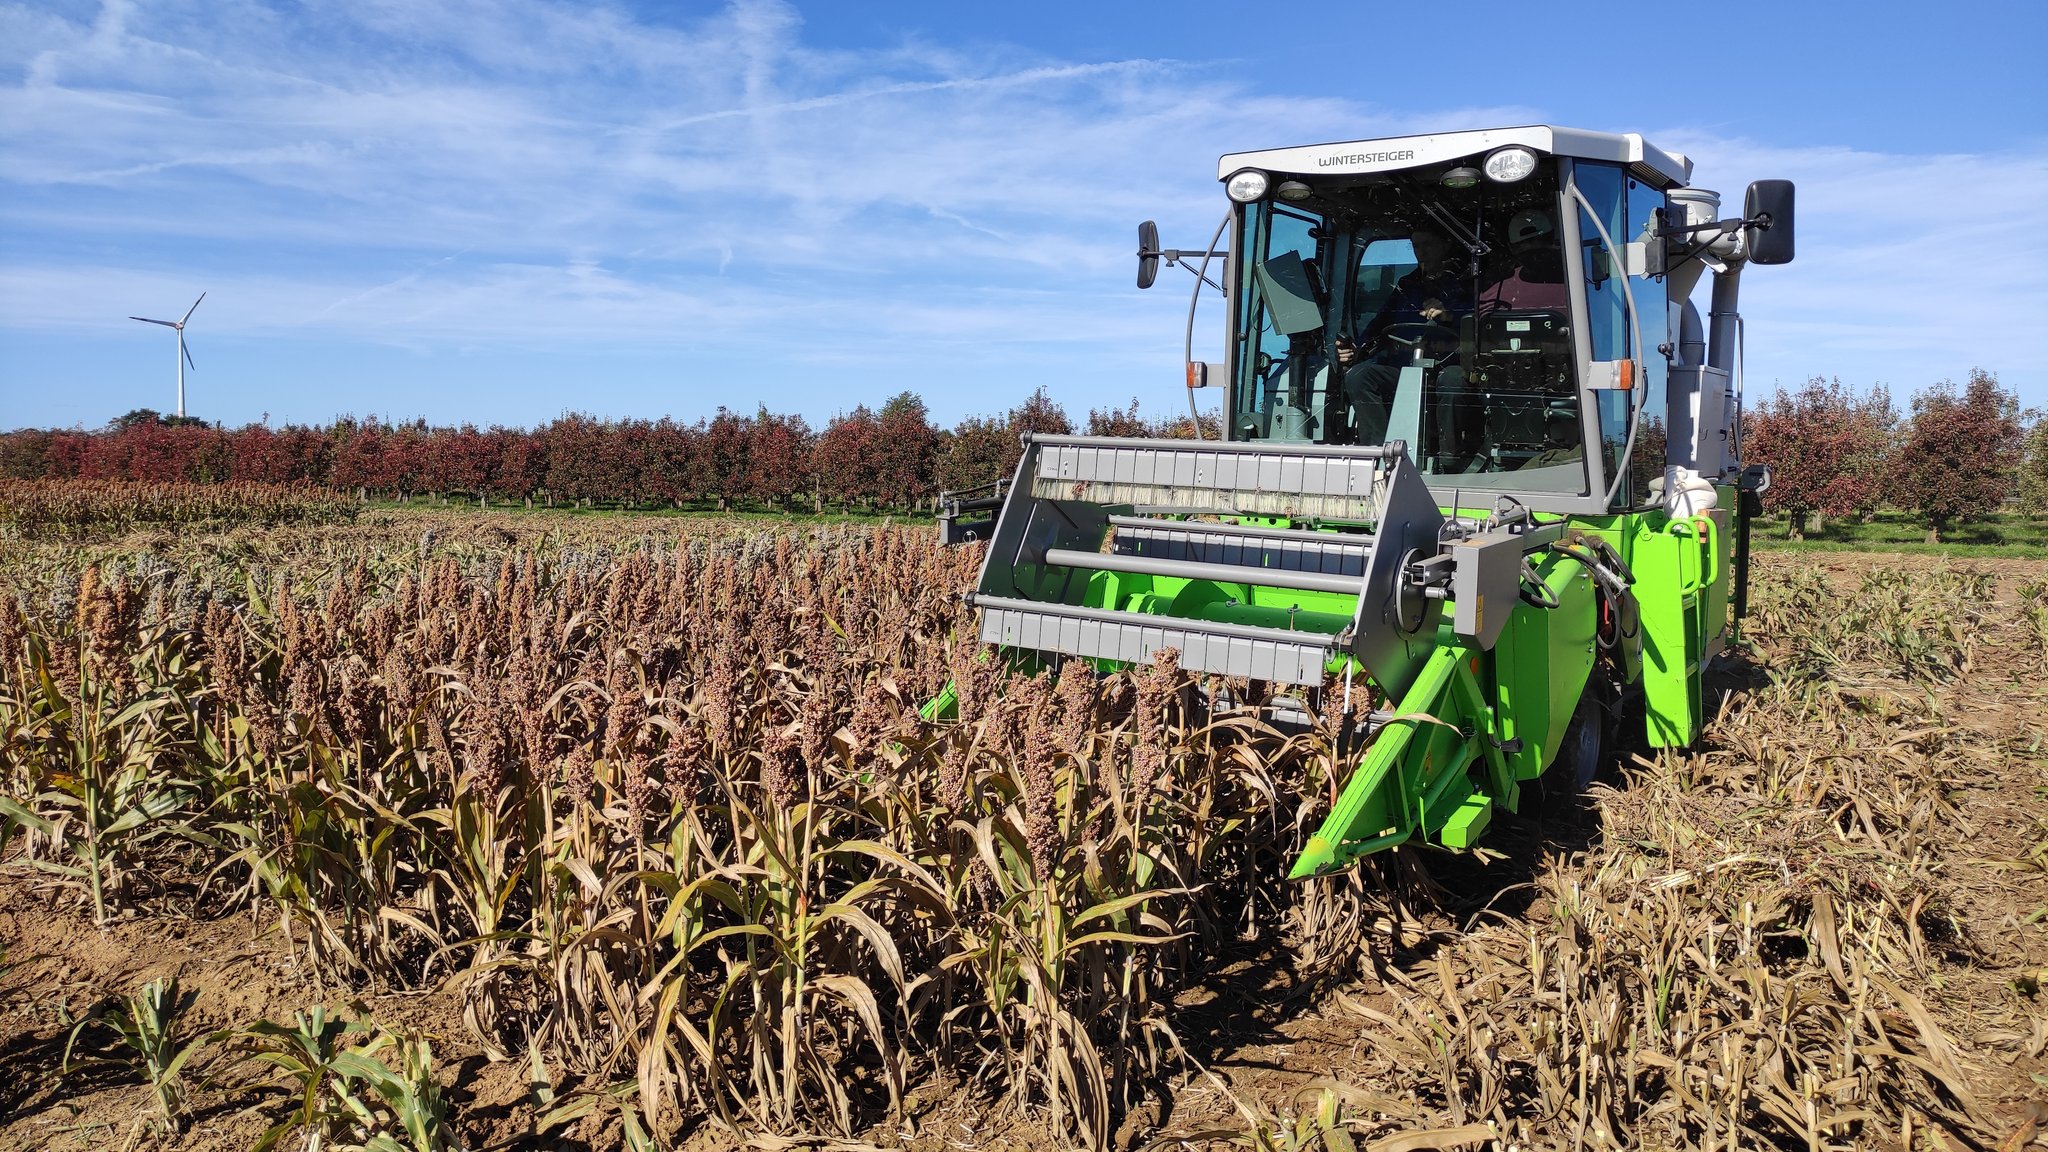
column 460, row 460
column 358, row 453
column 519, row 465
column 1958, row 458
column 667, row 466
column 1826, row 447
column 256, row 453
column 844, row 455
column 719, row 465
column 892, row 457
column 624, row 471
column 904, row 456
column 575, row 469
column 155, row 451
column 778, row 458
column 981, row 448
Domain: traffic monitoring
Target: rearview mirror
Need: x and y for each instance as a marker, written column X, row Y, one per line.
column 1767, row 222
column 1148, row 254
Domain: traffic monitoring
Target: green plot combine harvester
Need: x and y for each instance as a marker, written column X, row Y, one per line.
column 1478, row 447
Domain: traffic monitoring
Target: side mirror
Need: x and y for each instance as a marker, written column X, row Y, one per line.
column 1148, row 254
column 1767, row 222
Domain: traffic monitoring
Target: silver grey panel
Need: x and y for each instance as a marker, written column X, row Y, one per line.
column 1070, row 491
column 1211, row 476
column 1196, row 570
column 1329, row 553
column 1133, row 638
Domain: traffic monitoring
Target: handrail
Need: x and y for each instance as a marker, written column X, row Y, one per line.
column 1635, row 408
column 1188, row 346
column 1388, row 451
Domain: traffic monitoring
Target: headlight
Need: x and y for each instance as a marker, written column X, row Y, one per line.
column 1509, row 164
column 1460, row 177
column 1246, row 186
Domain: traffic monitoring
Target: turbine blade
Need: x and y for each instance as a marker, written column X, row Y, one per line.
column 193, row 308
column 187, row 352
column 147, row 320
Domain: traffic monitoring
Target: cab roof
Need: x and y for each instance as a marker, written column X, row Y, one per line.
column 1645, row 161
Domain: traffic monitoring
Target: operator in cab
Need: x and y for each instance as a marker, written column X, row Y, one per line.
column 1421, row 317
column 1532, row 275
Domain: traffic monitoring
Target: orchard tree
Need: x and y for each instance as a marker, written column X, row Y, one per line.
column 255, row 454
column 1960, row 452
column 1208, row 426
column 459, row 460
column 668, row 460
column 1038, row 414
column 719, row 466
column 629, row 467
column 778, row 457
column 25, row 454
column 843, row 458
column 354, row 448
column 972, row 453
column 2032, row 488
column 1118, row 421
column 519, row 464
column 905, row 453
column 1826, row 447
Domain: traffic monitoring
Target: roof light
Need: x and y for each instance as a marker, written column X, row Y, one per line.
column 1294, row 190
column 1509, row 164
column 1463, row 176
column 1246, row 186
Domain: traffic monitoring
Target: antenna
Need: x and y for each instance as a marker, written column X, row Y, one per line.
column 184, row 354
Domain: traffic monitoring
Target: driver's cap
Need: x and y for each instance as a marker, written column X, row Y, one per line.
column 1530, row 225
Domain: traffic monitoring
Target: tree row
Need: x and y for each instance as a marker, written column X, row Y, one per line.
column 1956, row 454
column 887, row 458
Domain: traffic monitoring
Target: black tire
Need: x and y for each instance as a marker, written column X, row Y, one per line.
column 1584, row 748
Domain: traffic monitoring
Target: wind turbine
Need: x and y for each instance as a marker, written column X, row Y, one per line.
column 184, row 356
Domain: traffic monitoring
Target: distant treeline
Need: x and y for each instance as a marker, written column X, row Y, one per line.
column 1957, row 454
column 894, row 457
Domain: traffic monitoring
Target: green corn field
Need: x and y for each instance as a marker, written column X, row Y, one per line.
column 575, row 835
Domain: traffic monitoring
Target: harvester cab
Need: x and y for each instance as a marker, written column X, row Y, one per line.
column 1480, row 457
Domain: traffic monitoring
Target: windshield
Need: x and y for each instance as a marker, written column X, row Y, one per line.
column 1393, row 308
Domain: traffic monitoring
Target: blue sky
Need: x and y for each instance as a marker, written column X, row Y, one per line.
column 500, row 211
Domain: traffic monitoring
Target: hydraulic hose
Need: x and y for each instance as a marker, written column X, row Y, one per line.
column 1613, row 578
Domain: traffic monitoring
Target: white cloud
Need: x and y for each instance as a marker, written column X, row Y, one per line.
column 1911, row 269
column 565, row 176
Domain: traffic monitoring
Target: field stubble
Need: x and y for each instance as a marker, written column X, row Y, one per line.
column 588, row 836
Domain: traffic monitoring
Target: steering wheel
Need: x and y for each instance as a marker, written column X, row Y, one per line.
column 1422, row 331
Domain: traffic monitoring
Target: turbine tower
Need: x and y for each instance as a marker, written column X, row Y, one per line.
column 184, row 356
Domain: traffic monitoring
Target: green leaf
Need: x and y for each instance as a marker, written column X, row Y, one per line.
column 1113, row 907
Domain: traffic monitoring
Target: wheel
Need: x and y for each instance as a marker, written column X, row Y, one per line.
column 1585, row 743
